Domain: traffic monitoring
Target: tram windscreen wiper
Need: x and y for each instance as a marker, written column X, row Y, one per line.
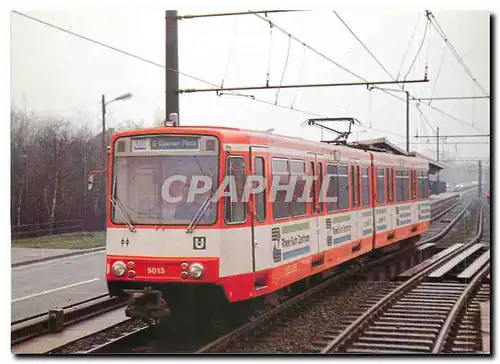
column 196, row 218
column 116, row 202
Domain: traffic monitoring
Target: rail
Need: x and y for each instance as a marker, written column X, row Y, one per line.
column 57, row 319
column 473, row 285
column 225, row 340
column 357, row 326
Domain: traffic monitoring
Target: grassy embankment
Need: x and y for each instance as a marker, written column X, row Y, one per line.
column 64, row 241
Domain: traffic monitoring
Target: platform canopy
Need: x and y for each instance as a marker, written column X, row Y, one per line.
column 385, row 145
column 434, row 166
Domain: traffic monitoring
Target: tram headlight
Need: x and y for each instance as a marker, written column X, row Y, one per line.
column 196, row 270
column 119, row 268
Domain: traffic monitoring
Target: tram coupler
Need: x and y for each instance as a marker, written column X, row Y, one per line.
column 146, row 304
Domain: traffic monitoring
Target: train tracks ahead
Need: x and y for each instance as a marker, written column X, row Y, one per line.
column 122, row 333
column 419, row 315
column 55, row 321
column 286, row 314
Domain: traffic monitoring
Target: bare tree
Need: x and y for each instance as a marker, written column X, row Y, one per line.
column 50, row 160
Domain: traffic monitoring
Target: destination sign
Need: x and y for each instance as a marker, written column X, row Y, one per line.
column 171, row 143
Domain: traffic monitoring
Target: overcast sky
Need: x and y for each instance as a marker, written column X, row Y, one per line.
column 57, row 74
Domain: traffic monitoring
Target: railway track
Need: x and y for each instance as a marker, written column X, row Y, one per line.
column 288, row 312
column 130, row 331
column 420, row 315
column 143, row 340
column 58, row 319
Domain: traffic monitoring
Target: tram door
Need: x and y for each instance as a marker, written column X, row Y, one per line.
column 260, row 230
column 318, row 235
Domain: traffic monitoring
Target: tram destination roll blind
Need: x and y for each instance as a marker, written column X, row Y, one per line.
column 170, row 143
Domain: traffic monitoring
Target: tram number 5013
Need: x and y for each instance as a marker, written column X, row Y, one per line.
column 156, row 270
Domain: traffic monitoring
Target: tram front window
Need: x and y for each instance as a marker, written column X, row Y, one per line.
column 154, row 189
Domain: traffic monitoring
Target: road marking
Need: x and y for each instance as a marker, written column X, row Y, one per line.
column 54, row 290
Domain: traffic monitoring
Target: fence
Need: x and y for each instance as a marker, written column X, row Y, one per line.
column 46, row 229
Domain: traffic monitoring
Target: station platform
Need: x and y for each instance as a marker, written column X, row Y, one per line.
column 443, row 195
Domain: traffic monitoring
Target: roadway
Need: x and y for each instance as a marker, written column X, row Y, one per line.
column 38, row 287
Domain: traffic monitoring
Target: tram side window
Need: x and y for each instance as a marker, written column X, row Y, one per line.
column 313, row 190
column 260, row 198
column 298, row 168
column 390, row 185
column 236, row 211
column 353, row 188
column 343, row 179
column 419, row 184
column 423, row 185
column 399, row 185
column 410, row 193
column 358, row 186
column 412, row 189
column 333, row 186
column 414, row 185
column 281, row 208
column 380, row 186
column 406, row 186
column 320, row 184
column 365, row 186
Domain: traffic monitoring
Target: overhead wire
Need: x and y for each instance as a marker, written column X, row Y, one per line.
column 426, row 32
column 284, row 69
column 233, row 93
column 427, row 121
column 330, row 60
column 364, row 46
column 418, row 51
column 441, row 32
column 268, row 76
column 453, row 117
column 302, row 62
column 226, row 68
column 376, row 60
column 309, row 47
column 370, row 106
column 356, row 75
column 408, row 47
column 418, row 124
column 438, row 74
column 473, row 104
column 111, row 47
column 425, row 126
column 428, row 54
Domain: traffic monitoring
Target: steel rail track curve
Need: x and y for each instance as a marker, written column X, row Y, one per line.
column 28, row 328
column 356, row 328
column 229, row 338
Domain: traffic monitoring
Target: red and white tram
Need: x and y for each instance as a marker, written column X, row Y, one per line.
column 242, row 250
